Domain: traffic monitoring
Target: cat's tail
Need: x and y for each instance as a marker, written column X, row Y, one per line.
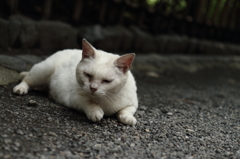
column 23, row 74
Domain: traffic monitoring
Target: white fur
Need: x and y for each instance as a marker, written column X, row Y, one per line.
column 64, row 71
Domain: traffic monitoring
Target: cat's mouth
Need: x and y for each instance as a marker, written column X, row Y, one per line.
column 94, row 94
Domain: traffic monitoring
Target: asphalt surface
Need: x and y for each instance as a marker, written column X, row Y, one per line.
column 180, row 115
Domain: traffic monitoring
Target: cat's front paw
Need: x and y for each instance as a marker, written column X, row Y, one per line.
column 127, row 119
column 96, row 115
column 21, row 89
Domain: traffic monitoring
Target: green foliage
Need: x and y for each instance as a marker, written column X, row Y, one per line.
column 152, row 2
column 177, row 5
column 210, row 10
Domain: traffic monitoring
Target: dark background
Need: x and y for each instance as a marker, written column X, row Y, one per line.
column 216, row 20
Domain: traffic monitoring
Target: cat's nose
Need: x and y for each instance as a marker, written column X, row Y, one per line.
column 93, row 89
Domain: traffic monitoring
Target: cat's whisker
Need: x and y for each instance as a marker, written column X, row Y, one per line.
column 111, row 94
column 109, row 98
column 100, row 100
column 103, row 101
column 81, row 87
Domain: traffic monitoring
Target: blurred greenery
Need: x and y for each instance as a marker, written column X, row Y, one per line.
column 176, row 5
column 210, row 10
column 152, row 2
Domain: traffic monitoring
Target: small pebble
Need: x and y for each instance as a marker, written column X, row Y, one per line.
column 143, row 108
column 32, row 103
column 15, row 148
column 123, row 138
column 238, row 153
column 4, row 136
column 97, row 146
column 164, row 111
column 19, row 132
column 52, row 134
column 66, row 153
column 170, row 113
column 49, row 119
column 132, row 144
column 17, row 144
column 152, row 74
column 190, row 130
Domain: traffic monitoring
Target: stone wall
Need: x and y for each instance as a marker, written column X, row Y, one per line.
column 18, row 32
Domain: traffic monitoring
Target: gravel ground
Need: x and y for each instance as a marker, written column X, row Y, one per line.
column 180, row 115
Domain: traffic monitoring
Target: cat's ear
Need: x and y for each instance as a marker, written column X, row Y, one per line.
column 87, row 50
column 124, row 62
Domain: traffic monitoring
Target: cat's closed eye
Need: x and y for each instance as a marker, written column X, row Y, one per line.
column 106, row 81
column 87, row 75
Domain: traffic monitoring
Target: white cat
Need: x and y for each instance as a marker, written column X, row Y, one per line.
column 89, row 80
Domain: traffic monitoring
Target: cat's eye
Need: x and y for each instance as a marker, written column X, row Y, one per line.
column 106, row 81
column 87, row 75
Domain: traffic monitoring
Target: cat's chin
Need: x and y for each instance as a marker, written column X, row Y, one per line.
column 96, row 95
column 93, row 95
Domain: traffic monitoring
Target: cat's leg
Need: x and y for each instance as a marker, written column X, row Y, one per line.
column 125, row 115
column 23, row 86
column 39, row 75
column 23, row 74
column 94, row 112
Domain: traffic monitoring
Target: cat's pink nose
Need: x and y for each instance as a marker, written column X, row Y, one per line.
column 93, row 89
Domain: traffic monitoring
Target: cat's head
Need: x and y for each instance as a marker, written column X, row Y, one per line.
column 100, row 73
